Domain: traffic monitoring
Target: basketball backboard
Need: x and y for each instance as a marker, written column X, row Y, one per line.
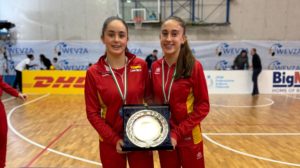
column 146, row 10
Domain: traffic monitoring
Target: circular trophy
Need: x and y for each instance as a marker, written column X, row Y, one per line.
column 147, row 128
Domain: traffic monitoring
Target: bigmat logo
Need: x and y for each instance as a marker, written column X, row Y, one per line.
column 283, row 80
column 59, row 82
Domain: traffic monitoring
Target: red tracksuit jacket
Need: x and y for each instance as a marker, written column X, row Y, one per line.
column 3, row 123
column 189, row 102
column 103, row 100
column 7, row 88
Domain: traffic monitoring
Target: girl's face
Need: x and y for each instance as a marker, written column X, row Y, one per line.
column 171, row 38
column 115, row 38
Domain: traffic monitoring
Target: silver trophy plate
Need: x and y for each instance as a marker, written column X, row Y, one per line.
column 147, row 128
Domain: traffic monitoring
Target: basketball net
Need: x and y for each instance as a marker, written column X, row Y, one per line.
column 138, row 21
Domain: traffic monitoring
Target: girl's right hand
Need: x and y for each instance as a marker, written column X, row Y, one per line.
column 119, row 145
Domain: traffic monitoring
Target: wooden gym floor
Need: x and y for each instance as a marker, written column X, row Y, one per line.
column 240, row 131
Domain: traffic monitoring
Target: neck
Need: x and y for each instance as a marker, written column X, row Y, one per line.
column 171, row 59
column 116, row 62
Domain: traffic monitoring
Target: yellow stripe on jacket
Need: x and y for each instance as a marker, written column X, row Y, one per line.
column 102, row 112
column 197, row 135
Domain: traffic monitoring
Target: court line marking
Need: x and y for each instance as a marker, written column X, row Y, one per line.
column 12, row 97
column 262, row 105
column 97, row 163
column 247, row 154
column 37, row 144
column 254, row 134
column 292, row 97
column 56, row 138
column 8, row 99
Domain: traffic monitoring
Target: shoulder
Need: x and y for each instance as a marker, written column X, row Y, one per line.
column 137, row 60
column 98, row 66
column 198, row 64
column 197, row 69
column 157, row 62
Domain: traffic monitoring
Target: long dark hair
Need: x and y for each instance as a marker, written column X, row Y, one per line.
column 107, row 22
column 186, row 59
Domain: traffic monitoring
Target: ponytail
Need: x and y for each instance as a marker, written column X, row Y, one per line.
column 186, row 59
column 185, row 62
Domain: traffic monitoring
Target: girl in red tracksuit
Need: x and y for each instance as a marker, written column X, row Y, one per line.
column 178, row 80
column 118, row 78
column 3, row 122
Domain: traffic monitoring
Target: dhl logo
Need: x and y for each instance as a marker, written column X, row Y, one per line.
column 61, row 81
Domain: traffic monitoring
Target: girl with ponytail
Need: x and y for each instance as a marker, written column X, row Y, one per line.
column 178, row 80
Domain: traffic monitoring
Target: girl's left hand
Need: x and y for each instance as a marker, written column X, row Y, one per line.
column 174, row 142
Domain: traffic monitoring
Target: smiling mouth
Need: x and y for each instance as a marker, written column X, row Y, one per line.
column 116, row 46
column 168, row 46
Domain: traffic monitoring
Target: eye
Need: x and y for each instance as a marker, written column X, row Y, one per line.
column 122, row 35
column 111, row 34
column 164, row 33
column 174, row 33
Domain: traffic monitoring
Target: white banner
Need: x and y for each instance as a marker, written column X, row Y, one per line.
column 240, row 82
column 214, row 55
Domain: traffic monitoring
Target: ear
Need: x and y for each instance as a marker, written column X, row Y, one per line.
column 102, row 39
column 184, row 38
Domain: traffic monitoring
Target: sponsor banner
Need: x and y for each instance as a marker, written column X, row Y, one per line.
column 240, row 82
column 229, row 82
column 214, row 55
column 280, row 82
column 55, row 82
column 218, row 82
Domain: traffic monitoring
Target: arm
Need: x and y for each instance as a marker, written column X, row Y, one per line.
column 235, row 63
column 247, row 63
column 8, row 89
column 30, row 66
column 200, row 107
column 93, row 109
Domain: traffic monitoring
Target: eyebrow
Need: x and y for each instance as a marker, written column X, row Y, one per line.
column 112, row 31
column 173, row 30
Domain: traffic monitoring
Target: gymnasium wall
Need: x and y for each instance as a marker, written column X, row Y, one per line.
column 82, row 20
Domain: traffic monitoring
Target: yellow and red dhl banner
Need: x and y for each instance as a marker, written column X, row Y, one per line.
column 55, row 82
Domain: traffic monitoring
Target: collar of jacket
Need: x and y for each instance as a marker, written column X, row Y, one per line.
column 102, row 65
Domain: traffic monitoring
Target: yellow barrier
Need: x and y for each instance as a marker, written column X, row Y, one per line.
column 56, row 82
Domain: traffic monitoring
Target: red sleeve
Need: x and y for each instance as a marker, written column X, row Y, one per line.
column 93, row 110
column 8, row 89
column 201, row 104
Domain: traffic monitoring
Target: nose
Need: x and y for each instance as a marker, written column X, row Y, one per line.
column 117, row 38
column 168, row 37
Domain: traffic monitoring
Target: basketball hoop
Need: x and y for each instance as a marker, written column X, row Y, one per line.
column 138, row 21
